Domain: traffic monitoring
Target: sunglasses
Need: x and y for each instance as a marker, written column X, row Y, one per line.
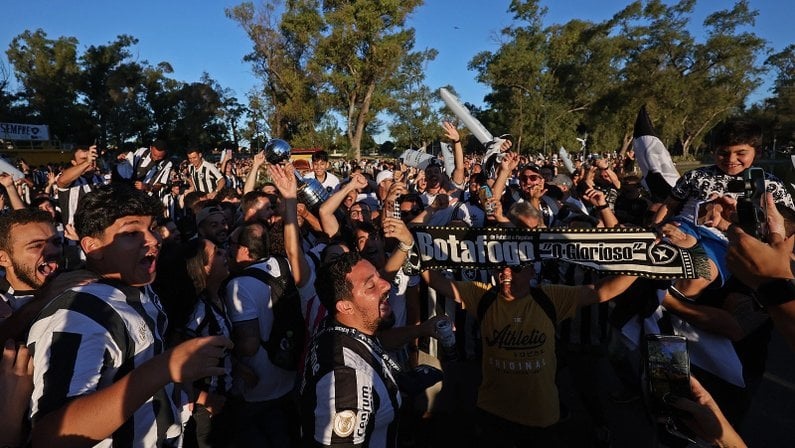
column 531, row 177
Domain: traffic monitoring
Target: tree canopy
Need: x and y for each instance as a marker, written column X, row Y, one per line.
column 104, row 95
column 334, row 74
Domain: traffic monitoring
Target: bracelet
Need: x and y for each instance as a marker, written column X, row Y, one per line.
column 455, row 141
column 601, row 207
column 403, row 247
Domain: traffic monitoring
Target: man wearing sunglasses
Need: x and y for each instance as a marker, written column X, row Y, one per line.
column 531, row 186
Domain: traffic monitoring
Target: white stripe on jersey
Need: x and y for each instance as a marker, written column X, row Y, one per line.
column 76, row 328
column 205, row 177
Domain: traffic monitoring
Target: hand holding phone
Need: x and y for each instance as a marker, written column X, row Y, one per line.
column 667, row 371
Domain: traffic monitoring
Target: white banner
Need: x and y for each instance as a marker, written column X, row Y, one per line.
column 16, row 131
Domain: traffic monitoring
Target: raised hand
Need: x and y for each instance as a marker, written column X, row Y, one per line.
column 259, row 159
column 450, row 132
column 284, row 179
column 16, row 387
column 198, row 358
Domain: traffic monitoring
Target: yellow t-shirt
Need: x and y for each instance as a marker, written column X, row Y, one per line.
column 519, row 361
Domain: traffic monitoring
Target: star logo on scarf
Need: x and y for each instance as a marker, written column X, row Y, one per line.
column 662, row 254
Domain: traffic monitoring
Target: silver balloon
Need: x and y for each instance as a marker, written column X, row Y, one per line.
column 310, row 191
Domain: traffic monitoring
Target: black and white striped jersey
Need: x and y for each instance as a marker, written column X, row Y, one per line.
column 234, row 182
column 15, row 299
column 91, row 336
column 210, row 319
column 205, row 177
column 69, row 197
column 349, row 395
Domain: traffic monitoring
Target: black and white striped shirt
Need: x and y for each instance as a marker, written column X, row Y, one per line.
column 91, row 336
column 69, row 197
column 209, row 319
column 349, row 395
column 205, row 177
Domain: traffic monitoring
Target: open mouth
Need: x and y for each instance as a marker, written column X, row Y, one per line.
column 384, row 307
column 149, row 260
column 47, row 268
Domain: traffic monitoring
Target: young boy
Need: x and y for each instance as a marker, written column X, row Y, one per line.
column 736, row 143
column 102, row 374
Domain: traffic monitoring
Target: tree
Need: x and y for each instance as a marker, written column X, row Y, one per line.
column 283, row 47
column 550, row 83
column 110, row 85
column 781, row 107
column 414, row 121
column 200, row 123
column 339, row 58
column 358, row 57
column 48, row 72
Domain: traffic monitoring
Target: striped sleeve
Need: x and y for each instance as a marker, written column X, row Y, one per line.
column 338, row 410
column 73, row 350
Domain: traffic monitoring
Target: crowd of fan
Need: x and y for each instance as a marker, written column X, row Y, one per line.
column 211, row 224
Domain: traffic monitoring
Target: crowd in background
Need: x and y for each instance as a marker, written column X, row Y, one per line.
column 220, row 226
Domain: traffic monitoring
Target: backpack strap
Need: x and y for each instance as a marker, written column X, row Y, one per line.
column 538, row 295
column 282, row 282
column 485, row 302
column 543, row 300
column 456, row 208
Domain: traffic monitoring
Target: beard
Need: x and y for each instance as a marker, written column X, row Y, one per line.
column 27, row 275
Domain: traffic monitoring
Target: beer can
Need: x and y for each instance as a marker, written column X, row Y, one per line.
column 484, row 193
column 444, row 332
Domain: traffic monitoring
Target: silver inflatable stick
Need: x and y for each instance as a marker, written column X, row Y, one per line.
column 6, row 167
column 474, row 125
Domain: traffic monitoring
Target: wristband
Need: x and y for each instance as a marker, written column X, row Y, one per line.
column 455, row 141
column 776, row 292
column 403, row 247
column 601, row 207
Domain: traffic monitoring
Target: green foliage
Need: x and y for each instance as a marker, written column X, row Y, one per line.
column 103, row 94
column 48, row 72
column 551, row 84
column 349, row 60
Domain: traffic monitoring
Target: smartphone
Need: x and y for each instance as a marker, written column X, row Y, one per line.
column 667, row 371
column 702, row 210
column 752, row 207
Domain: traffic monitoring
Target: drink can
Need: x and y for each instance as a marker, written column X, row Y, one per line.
column 444, row 331
column 484, row 193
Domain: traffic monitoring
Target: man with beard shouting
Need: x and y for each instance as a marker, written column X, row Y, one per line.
column 349, row 394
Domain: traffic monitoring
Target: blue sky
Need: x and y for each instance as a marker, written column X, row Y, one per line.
column 195, row 36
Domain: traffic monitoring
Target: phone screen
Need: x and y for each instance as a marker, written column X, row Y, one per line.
column 702, row 210
column 668, row 368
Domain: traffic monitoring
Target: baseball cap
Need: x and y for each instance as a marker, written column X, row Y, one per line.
column 530, row 166
column 207, row 212
column 561, row 180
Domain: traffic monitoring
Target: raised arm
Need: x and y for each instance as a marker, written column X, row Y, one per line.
column 327, row 219
column 509, row 162
column 13, row 195
column 287, row 185
column 441, row 284
column 72, row 173
column 251, row 179
column 76, row 424
column 459, row 173
column 603, row 211
column 605, row 289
